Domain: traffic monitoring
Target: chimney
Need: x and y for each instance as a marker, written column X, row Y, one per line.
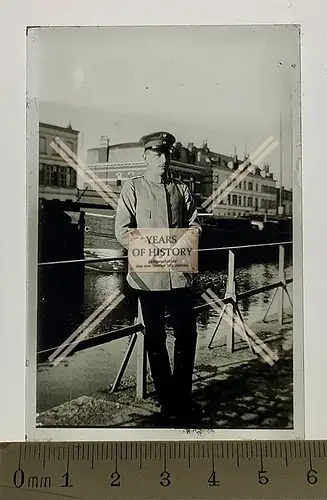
column 104, row 149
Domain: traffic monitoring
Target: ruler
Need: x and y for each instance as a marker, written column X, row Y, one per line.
column 173, row 470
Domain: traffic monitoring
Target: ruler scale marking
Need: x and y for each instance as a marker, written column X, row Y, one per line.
column 19, row 456
column 141, row 457
column 164, row 458
column 306, row 470
column 44, row 456
column 286, row 460
column 310, row 455
column 92, row 457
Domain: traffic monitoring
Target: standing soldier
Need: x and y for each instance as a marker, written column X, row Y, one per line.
column 156, row 200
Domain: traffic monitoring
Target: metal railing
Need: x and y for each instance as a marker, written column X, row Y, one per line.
column 230, row 304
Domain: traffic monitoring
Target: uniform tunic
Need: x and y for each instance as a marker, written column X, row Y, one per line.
column 148, row 202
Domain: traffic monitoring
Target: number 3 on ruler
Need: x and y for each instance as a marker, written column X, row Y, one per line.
column 165, row 478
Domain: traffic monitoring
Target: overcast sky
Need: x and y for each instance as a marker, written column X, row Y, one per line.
column 224, row 84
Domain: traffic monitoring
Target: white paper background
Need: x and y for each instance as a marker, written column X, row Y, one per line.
column 15, row 16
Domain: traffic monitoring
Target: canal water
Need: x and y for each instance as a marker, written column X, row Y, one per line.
column 95, row 369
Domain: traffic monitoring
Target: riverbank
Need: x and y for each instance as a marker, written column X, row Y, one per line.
column 237, row 390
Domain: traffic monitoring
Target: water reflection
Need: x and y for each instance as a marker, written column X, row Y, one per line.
column 99, row 286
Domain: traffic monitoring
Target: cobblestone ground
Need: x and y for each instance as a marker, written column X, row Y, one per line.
column 236, row 391
column 251, row 396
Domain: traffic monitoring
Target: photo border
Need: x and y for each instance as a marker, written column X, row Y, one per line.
column 34, row 433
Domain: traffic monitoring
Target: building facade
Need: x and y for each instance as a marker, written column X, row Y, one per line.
column 57, row 180
column 201, row 169
column 255, row 193
column 287, row 202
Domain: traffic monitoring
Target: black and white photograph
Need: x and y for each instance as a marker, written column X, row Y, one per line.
column 164, row 229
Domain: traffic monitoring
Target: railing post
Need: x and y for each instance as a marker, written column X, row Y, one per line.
column 141, row 360
column 230, row 292
column 281, row 278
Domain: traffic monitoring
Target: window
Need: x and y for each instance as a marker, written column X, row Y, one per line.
column 62, row 177
column 42, row 175
column 244, row 185
column 250, row 201
column 256, row 187
column 68, row 176
column 250, row 186
column 118, row 179
column 73, row 178
column 228, row 199
column 234, row 202
column 54, row 176
column 47, row 176
column 240, row 200
column 42, row 145
column 244, row 201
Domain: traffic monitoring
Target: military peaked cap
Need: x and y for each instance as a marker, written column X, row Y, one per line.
column 158, row 140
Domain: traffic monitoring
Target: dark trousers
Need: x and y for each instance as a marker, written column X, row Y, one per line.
column 171, row 386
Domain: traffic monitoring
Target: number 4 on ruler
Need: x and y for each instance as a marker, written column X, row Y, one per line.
column 212, row 481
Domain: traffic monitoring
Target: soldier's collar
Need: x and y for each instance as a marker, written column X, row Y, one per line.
column 165, row 179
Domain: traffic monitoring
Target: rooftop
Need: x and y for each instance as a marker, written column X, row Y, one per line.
column 57, row 127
